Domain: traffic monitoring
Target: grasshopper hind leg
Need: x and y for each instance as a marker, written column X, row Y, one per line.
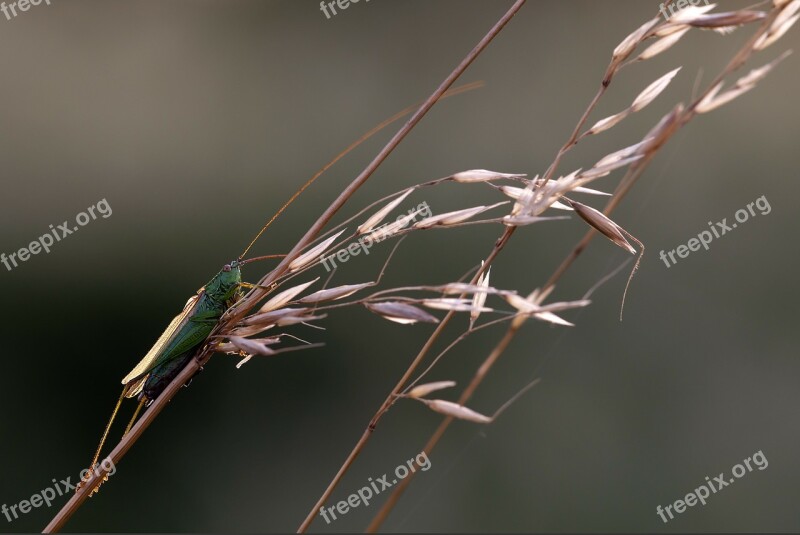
column 92, row 466
column 142, row 402
column 105, row 435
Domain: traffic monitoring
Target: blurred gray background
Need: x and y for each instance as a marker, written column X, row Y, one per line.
column 196, row 120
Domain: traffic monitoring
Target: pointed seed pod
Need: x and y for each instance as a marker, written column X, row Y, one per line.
column 602, row 224
column 448, row 408
column 420, row 391
column 381, row 214
column 313, row 254
column 402, row 313
column 482, row 175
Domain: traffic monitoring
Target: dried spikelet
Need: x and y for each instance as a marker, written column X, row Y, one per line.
column 523, row 305
column 251, row 330
column 558, row 205
column 564, row 305
column 590, row 191
column 402, row 313
column 532, row 307
column 601, row 171
column 756, row 75
column 461, row 288
column 731, row 18
column 613, row 232
column 532, row 203
column 524, row 201
column 514, row 192
column 602, row 224
column 604, row 124
column 420, row 391
column 552, row 318
column 787, row 13
column 479, row 298
column 676, row 21
column 775, row 33
column 448, row 408
column 714, row 99
column 386, row 231
column 381, row 214
column 663, row 44
column 456, row 305
column 689, row 13
column 228, row 347
column 332, row 294
column 643, row 99
column 482, row 175
column 453, row 218
column 285, row 296
column 294, row 320
column 313, row 254
column 254, row 347
column 268, row 318
column 271, row 352
column 669, row 29
column 614, row 157
column 653, row 90
column 459, row 216
column 629, row 44
column 523, row 196
column 709, row 104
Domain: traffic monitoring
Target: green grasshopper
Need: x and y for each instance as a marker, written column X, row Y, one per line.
column 177, row 345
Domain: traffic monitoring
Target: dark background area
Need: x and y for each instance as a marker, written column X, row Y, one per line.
column 196, row 120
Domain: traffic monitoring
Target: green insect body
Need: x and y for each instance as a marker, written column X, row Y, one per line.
column 185, row 334
column 176, row 346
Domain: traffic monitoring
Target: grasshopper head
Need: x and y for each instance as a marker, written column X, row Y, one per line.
column 225, row 283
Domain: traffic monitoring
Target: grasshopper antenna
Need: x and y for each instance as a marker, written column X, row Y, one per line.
column 452, row 92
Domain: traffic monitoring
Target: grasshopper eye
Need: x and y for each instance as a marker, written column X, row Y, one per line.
column 226, row 267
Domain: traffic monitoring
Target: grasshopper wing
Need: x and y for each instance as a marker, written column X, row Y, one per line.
column 146, row 364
